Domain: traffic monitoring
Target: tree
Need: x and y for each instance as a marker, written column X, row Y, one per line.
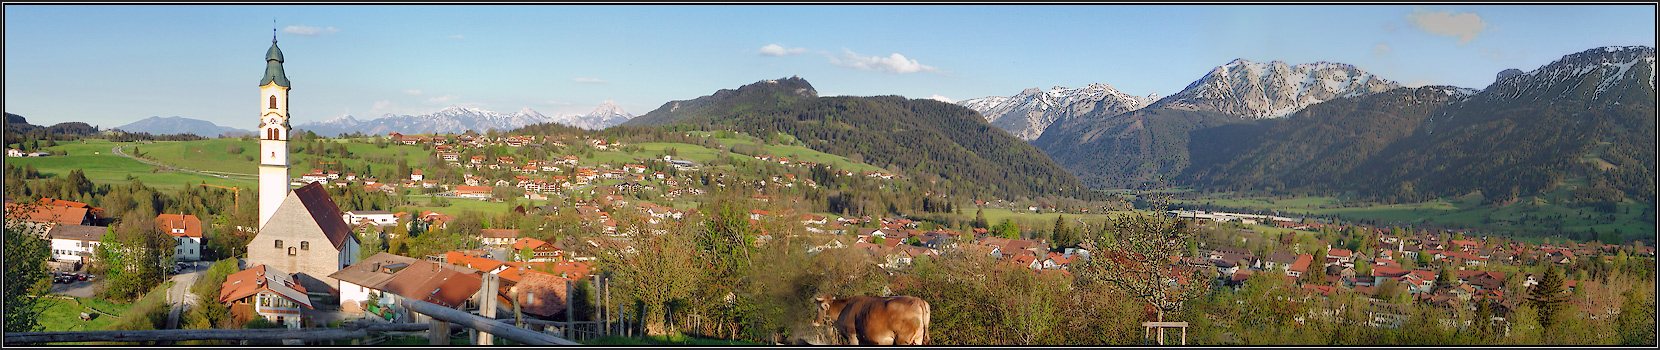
column 133, row 257
column 26, row 276
column 659, row 268
column 1138, row 262
column 1060, row 230
column 980, row 219
column 1548, row 297
column 1006, row 229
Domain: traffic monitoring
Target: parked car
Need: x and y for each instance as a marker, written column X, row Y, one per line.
column 78, row 277
column 62, row 279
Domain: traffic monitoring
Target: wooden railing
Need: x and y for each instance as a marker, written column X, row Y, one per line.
column 308, row 334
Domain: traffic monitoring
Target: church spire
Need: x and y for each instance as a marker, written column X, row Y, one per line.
column 273, row 62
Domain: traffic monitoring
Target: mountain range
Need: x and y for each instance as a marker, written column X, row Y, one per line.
column 181, row 125
column 457, row 119
column 1027, row 114
column 1330, row 128
column 931, row 141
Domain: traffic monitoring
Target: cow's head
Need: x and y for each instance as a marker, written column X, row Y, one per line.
column 826, row 314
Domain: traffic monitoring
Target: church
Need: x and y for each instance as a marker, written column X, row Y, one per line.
column 300, row 231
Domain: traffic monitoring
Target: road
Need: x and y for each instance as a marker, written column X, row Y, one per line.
column 120, row 150
column 179, row 296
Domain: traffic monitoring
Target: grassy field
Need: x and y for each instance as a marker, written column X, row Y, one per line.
column 63, row 315
column 1047, row 220
column 1536, row 214
column 457, row 205
column 103, row 167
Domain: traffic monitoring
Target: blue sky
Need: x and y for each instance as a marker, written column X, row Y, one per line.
column 112, row 65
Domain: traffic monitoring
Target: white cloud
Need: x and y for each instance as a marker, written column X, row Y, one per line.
column 309, row 30
column 1465, row 26
column 442, row 99
column 937, row 97
column 458, row 37
column 382, row 104
column 1380, row 50
column 412, row 92
column 895, row 63
column 587, row 80
column 775, row 50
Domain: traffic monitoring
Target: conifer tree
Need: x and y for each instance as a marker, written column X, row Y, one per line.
column 1548, row 297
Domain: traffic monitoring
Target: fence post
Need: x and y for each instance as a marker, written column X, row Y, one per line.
column 439, row 333
column 569, row 308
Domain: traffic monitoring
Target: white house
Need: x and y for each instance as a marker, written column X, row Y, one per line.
column 187, row 230
column 379, row 217
column 74, row 242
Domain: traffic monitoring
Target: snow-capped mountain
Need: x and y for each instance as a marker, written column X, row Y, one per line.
column 454, row 119
column 457, row 119
column 1027, row 114
column 605, row 115
column 1603, row 73
column 1271, row 90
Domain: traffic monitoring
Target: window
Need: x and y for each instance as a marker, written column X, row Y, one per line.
column 305, row 245
column 291, row 251
column 279, row 244
column 273, row 102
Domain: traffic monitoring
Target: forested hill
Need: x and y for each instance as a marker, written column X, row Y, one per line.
column 926, row 139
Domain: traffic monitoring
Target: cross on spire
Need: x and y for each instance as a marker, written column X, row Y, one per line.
column 273, row 30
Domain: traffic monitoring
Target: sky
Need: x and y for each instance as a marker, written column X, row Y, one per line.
column 109, row 65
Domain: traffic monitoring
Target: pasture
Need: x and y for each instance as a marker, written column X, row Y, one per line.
column 101, row 166
column 1547, row 214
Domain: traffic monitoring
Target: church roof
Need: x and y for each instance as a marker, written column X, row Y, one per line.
column 273, row 67
column 325, row 212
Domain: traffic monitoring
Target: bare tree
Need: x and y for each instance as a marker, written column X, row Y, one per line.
column 1139, row 255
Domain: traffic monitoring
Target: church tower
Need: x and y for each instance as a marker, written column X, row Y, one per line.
column 273, row 131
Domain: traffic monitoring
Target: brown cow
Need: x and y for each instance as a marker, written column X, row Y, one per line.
column 866, row 320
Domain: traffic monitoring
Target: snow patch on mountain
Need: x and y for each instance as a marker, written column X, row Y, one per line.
column 1027, row 114
column 1274, row 89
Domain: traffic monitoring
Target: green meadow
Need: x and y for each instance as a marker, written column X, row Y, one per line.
column 94, row 158
column 1536, row 215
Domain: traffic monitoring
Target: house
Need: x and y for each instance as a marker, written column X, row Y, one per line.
column 475, row 192
column 75, row 242
column 540, row 250
column 378, row 217
column 1300, row 266
column 187, row 230
column 13, row 152
column 1343, row 256
column 498, row 237
column 266, row 292
column 392, row 277
column 307, row 236
column 45, row 214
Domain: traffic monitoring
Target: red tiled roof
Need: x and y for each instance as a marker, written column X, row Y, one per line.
column 499, row 233
column 169, row 222
column 1302, row 263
